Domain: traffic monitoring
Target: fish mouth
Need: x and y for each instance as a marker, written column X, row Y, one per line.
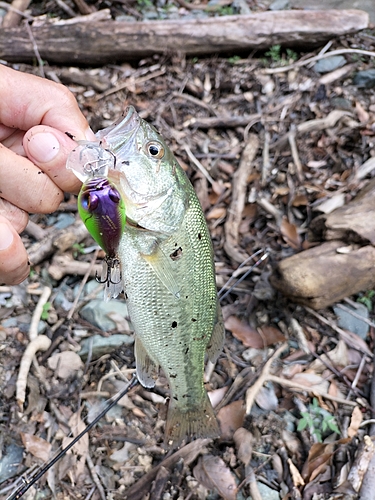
column 117, row 137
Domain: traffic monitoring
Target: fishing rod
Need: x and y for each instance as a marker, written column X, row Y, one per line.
column 29, row 482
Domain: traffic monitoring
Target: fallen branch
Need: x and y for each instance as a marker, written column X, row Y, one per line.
column 232, row 224
column 40, row 343
column 96, row 43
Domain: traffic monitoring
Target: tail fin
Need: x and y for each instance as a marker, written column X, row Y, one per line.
column 197, row 422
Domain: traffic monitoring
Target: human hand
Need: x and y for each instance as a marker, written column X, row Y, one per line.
column 35, row 115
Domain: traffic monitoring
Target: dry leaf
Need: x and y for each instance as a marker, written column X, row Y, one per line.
column 271, row 335
column 311, row 380
column 290, row 234
column 296, row 476
column 216, row 213
column 266, row 398
column 244, row 444
column 337, row 357
column 244, row 333
column 65, row 364
column 319, row 456
column 355, row 422
column 214, row 474
column 37, row 446
column 231, row 418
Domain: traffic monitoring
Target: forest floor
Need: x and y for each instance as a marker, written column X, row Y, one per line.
column 292, row 388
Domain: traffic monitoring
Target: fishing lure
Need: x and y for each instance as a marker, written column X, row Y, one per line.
column 101, row 207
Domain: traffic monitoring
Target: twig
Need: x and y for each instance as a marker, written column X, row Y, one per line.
column 198, row 164
column 345, row 336
column 312, row 390
column 36, row 50
column 357, row 375
column 82, row 284
column 95, row 477
column 15, row 12
column 355, row 315
column 40, row 343
column 65, row 7
column 131, row 83
column 294, row 151
column 266, row 158
column 239, row 189
column 298, row 64
column 252, row 392
column 11, row 8
column 33, row 330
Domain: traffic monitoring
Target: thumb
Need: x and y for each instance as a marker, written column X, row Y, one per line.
column 14, row 264
column 49, row 148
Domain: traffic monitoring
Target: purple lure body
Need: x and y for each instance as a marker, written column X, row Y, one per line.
column 103, row 212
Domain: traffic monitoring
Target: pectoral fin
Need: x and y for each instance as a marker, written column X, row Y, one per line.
column 161, row 264
column 147, row 370
column 216, row 342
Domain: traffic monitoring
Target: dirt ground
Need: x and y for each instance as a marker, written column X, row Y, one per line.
column 292, row 388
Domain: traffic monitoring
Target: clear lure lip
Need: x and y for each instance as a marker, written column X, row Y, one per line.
column 117, row 137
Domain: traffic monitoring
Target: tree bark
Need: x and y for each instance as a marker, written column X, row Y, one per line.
column 97, row 43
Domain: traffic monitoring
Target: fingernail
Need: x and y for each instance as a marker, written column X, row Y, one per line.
column 90, row 136
column 43, row 147
column 6, row 236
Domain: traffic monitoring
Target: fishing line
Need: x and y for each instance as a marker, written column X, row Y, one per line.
column 264, row 256
column 35, row 477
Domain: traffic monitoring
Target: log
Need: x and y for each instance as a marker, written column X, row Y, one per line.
column 321, row 276
column 352, row 222
column 98, row 43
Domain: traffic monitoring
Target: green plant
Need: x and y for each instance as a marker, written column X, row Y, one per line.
column 278, row 57
column 234, row 59
column 291, row 55
column 366, row 299
column 274, row 53
column 78, row 248
column 226, row 10
column 318, row 421
column 45, row 312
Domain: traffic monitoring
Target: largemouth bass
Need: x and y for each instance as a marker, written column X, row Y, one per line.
column 168, row 274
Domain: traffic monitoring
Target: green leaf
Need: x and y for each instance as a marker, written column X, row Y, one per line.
column 302, row 424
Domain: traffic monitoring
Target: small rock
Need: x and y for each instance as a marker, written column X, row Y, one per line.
column 279, row 5
column 329, row 64
column 10, row 461
column 365, row 79
column 65, row 364
column 349, row 322
column 64, row 220
column 96, row 312
column 103, row 345
column 267, row 493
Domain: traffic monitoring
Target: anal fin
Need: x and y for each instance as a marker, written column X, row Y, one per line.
column 216, row 342
column 147, row 369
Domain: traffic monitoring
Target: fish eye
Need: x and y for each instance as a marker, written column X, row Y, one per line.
column 155, row 149
column 114, row 196
column 89, row 202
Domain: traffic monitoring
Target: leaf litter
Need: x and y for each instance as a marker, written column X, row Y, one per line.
column 262, row 183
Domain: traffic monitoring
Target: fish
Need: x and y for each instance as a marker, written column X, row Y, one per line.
column 167, row 264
